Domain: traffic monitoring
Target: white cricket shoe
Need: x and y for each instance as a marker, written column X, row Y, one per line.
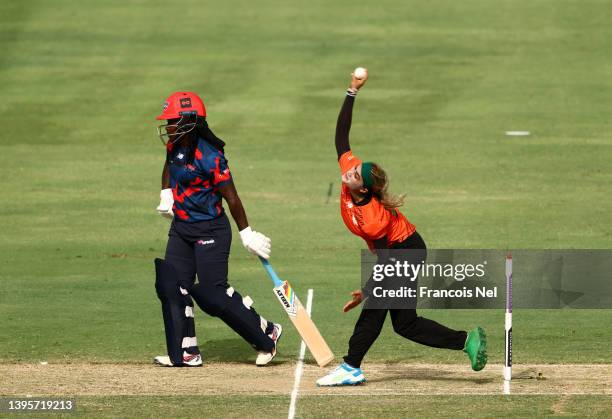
column 163, row 360
column 189, row 360
column 264, row 358
column 344, row 375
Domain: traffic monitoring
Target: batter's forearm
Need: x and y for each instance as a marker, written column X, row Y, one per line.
column 238, row 213
column 165, row 177
column 230, row 194
column 343, row 126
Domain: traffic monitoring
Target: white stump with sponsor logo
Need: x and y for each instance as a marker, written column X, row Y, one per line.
column 508, row 326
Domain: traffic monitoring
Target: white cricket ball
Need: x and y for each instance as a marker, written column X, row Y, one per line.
column 360, row 73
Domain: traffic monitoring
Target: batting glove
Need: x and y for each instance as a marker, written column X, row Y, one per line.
column 165, row 204
column 256, row 243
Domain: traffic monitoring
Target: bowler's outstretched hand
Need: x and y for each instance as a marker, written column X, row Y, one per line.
column 357, row 299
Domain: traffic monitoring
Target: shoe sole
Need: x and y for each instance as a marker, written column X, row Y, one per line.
column 280, row 333
column 481, row 356
column 161, row 364
column 356, row 383
column 175, row 366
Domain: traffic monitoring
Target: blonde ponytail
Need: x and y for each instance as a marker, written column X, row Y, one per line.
column 380, row 185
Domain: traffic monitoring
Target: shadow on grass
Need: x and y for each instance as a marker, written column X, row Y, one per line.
column 234, row 350
column 428, row 374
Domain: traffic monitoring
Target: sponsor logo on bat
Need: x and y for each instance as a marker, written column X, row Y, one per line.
column 286, row 296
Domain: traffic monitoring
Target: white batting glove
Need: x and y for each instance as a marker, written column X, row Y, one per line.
column 166, row 200
column 256, row 243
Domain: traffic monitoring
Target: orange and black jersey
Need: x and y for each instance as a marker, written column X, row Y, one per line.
column 368, row 219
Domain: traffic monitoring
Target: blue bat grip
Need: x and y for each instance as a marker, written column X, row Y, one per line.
column 277, row 281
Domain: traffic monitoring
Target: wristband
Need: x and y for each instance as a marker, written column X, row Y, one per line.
column 351, row 92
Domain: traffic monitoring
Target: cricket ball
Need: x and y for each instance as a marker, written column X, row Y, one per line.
column 360, row 73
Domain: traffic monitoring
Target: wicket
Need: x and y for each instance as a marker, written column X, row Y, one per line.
column 508, row 320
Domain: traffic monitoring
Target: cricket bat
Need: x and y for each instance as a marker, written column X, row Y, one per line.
column 300, row 318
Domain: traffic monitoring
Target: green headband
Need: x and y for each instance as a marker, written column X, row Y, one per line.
column 366, row 174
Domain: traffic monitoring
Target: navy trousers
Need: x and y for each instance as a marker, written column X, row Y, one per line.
column 203, row 248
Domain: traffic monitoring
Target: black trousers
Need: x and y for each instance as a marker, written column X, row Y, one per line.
column 405, row 322
column 203, row 248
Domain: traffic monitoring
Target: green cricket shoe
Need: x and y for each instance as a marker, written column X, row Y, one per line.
column 476, row 348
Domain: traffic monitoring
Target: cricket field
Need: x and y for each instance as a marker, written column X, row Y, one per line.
column 81, row 84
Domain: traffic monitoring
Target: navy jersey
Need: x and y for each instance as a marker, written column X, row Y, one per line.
column 195, row 186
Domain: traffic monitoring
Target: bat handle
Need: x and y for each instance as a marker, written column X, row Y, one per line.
column 277, row 281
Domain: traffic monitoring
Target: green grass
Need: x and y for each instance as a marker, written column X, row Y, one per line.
column 80, row 86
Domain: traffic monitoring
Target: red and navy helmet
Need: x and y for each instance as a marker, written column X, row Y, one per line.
column 181, row 104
